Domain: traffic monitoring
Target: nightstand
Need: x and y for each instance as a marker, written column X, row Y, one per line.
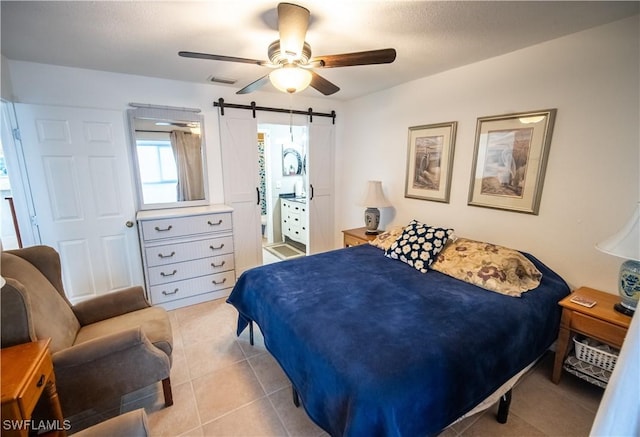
column 354, row 237
column 27, row 373
column 600, row 322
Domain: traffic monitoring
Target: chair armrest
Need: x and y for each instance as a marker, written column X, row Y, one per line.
column 131, row 424
column 107, row 367
column 96, row 349
column 110, row 305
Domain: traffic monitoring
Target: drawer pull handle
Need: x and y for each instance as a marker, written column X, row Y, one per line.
column 214, row 224
column 166, row 256
column 217, row 248
column 217, row 265
column 163, row 274
column 221, row 282
column 168, row 228
column 40, row 382
column 168, row 293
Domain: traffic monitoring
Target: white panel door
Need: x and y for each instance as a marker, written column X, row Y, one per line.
column 79, row 172
column 321, row 185
column 239, row 143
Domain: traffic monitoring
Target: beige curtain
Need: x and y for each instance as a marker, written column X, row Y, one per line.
column 187, row 151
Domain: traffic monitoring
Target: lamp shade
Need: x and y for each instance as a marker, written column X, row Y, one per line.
column 375, row 197
column 290, row 79
column 626, row 242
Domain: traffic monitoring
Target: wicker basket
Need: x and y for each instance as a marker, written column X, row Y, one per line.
column 594, row 356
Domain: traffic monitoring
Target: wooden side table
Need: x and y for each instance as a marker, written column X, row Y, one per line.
column 354, row 237
column 27, row 372
column 600, row 322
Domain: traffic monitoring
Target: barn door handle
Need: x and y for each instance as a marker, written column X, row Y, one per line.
column 258, row 193
column 311, row 186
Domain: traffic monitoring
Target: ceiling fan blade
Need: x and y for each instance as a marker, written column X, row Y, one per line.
column 221, row 58
column 323, row 85
column 254, row 86
column 382, row 56
column 293, row 21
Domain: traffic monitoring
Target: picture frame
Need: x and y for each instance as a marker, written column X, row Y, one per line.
column 510, row 160
column 430, row 161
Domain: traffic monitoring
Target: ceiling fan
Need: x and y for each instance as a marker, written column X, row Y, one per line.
column 290, row 57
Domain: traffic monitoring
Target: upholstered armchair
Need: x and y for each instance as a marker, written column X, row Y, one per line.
column 101, row 348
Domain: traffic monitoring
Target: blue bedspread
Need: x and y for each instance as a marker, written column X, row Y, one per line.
column 376, row 348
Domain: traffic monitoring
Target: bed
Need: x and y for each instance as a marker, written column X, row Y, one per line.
column 373, row 346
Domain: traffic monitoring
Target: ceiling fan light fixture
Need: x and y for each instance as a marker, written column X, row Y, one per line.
column 290, row 78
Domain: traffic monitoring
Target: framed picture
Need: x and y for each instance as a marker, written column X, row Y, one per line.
column 510, row 159
column 429, row 161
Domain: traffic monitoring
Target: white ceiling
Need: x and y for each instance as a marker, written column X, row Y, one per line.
column 144, row 37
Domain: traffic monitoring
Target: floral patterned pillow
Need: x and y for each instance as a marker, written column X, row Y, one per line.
column 418, row 245
column 489, row 266
column 385, row 239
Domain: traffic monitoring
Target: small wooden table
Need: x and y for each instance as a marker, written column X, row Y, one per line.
column 27, row 372
column 600, row 322
column 354, row 237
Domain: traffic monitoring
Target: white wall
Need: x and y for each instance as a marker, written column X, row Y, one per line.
column 591, row 185
column 55, row 85
column 5, row 80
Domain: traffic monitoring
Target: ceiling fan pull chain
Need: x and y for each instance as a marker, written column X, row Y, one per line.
column 291, row 116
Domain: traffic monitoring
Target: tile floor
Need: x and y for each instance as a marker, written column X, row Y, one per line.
column 223, row 386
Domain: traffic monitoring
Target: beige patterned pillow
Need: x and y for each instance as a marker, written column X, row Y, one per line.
column 385, row 239
column 489, row 266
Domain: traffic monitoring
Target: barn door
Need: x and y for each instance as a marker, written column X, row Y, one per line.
column 321, row 179
column 239, row 142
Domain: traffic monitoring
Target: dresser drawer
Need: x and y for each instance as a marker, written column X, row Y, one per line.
column 292, row 220
column 352, row 241
column 190, row 269
column 180, row 252
column 598, row 329
column 35, row 386
column 182, row 226
column 192, row 287
column 296, row 233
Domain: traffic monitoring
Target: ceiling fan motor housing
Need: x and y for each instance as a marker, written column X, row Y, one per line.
column 277, row 57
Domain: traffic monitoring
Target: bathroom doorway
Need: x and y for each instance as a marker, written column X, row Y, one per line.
column 282, row 154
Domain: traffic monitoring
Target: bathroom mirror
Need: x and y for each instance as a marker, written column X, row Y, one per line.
column 168, row 153
column 291, row 162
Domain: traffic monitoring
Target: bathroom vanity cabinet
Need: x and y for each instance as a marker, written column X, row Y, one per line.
column 294, row 219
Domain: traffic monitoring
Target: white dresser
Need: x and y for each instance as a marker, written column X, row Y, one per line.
column 294, row 219
column 187, row 254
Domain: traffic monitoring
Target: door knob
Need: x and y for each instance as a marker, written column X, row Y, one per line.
column 129, row 224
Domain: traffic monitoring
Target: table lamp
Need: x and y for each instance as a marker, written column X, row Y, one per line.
column 375, row 199
column 626, row 244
